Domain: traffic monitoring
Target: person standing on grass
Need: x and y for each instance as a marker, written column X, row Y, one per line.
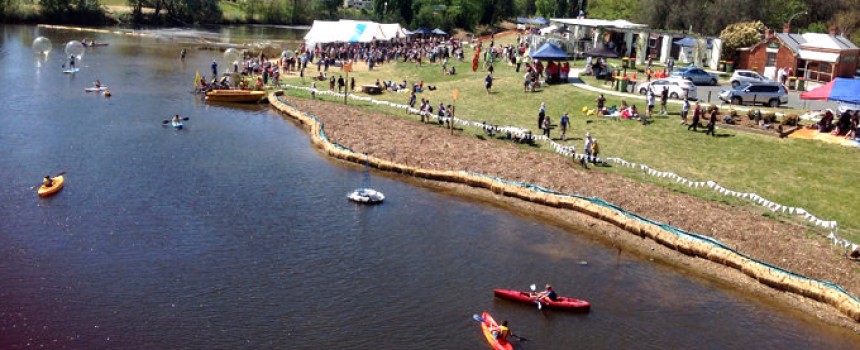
column 650, row 97
column 541, row 114
column 664, row 98
column 712, row 122
column 685, row 109
column 564, row 122
column 697, row 114
column 601, row 101
column 587, row 148
column 547, row 124
column 595, row 150
column 489, row 82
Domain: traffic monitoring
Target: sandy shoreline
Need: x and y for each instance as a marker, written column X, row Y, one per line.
column 426, row 146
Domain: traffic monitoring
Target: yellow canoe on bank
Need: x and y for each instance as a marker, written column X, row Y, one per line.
column 45, row 191
column 235, row 95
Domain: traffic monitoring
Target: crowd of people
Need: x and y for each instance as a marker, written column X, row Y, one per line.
column 847, row 125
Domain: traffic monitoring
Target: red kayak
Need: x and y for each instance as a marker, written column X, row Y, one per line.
column 488, row 325
column 563, row 303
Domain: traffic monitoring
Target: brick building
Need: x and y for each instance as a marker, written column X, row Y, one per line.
column 817, row 57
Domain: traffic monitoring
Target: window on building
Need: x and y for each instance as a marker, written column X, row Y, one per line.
column 771, row 59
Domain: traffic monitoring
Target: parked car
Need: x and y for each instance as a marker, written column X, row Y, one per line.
column 741, row 76
column 696, row 75
column 678, row 88
column 770, row 94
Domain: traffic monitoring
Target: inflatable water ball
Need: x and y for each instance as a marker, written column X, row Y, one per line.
column 584, row 109
column 232, row 55
column 42, row 45
column 75, row 48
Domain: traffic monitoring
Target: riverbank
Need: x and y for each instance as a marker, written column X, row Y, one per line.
column 425, row 146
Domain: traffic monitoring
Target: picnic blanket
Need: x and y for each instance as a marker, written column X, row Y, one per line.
column 813, row 134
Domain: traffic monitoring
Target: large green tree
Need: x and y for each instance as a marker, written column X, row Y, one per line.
column 613, row 9
column 739, row 35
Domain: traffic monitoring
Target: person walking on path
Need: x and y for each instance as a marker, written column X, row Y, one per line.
column 664, row 98
column 685, row 109
column 697, row 114
column 541, row 114
column 563, row 123
column 712, row 122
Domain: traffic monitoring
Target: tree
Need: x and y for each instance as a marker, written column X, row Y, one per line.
column 613, row 9
column 545, row 8
column 740, row 35
column 524, row 7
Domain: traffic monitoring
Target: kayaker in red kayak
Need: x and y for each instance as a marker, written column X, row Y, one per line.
column 548, row 294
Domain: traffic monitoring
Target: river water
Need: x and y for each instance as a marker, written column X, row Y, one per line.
column 235, row 233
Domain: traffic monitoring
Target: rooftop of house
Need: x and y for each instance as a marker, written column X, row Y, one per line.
column 795, row 42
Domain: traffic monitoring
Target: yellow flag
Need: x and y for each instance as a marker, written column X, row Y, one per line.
column 196, row 79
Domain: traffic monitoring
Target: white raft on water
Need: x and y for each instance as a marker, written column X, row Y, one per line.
column 366, row 195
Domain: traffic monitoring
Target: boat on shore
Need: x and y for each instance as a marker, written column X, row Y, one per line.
column 235, row 95
column 563, row 303
column 57, row 185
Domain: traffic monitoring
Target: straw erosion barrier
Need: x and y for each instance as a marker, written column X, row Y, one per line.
column 686, row 242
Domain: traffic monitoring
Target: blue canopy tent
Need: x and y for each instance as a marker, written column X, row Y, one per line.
column 549, row 51
column 840, row 89
column 423, row 31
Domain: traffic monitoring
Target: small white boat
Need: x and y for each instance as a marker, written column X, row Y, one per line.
column 366, row 195
column 96, row 89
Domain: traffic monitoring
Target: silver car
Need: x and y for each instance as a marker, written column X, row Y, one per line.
column 741, row 76
column 769, row 94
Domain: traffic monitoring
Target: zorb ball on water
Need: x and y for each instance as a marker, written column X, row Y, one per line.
column 75, row 48
column 42, row 45
column 232, row 56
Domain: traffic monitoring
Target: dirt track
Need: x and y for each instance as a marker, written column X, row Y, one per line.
column 743, row 228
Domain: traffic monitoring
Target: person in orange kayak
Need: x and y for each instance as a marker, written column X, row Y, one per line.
column 48, row 182
column 502, row 332
column 548, row 294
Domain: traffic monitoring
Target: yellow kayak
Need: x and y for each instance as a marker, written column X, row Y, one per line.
column 56, row 187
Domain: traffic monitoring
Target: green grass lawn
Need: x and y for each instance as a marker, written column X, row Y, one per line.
column 800, row 173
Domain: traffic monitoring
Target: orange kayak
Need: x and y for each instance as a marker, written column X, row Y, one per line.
column 488, row 326
column 56, row 187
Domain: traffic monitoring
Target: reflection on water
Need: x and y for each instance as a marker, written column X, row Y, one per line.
column 235, row 233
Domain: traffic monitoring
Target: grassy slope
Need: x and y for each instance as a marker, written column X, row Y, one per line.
column 818, row 177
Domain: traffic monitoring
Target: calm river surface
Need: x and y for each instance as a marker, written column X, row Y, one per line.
column 235, row 233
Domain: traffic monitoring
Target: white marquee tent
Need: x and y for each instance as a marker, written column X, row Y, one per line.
column 349, row 31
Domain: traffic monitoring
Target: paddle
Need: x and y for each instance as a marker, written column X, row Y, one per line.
column 482, row 320
column 534, row 288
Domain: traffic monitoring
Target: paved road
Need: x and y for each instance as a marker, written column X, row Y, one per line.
column 794, row 100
